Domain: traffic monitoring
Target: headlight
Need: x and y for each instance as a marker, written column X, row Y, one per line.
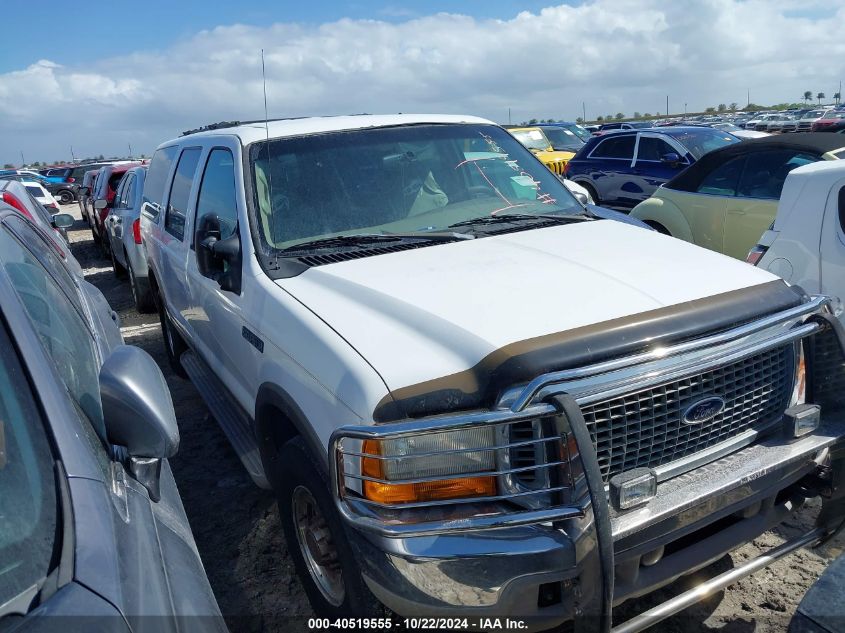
column 430, row 467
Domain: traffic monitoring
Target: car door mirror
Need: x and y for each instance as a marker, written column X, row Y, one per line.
column 101, row 204
column 138, row 413
column 63, row 220
column 671, row 159
column 219, row 259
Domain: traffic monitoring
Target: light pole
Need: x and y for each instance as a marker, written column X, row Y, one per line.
column 685, row 109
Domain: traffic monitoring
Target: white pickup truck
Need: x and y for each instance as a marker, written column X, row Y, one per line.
column 472, row 396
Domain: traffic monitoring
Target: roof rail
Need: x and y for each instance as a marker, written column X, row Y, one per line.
column 226, row 124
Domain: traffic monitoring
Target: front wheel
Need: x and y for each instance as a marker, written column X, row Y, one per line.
column 65, row 197
column 592, row 191
column 316, row 538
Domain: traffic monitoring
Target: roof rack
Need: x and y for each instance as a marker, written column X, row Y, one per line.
column 227, row 124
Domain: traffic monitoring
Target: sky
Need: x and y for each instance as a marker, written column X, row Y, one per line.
column 138, row 74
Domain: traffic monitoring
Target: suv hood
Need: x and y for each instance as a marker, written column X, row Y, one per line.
column 423, row 314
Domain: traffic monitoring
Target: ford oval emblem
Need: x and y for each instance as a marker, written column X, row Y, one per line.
column 704, row 410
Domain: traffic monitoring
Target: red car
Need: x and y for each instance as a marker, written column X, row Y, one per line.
column 105, row 187
column 834, row 117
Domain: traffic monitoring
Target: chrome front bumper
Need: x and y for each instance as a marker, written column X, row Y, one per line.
column 504, row 572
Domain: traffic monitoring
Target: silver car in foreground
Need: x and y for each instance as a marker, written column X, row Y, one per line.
column 122, row 226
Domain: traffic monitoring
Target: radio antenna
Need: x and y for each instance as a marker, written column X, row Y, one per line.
column 267, row 136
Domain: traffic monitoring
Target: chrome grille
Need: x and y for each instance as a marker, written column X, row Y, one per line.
column 645, row 428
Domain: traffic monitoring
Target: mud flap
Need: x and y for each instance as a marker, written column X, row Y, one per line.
column 594, row 598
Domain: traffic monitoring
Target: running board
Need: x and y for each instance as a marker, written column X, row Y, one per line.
column 229, row 415
column 708, row 588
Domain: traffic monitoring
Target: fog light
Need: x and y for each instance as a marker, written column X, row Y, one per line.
column 802, row 419
column 633, row 488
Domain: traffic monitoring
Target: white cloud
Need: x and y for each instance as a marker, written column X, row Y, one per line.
column 617, row 55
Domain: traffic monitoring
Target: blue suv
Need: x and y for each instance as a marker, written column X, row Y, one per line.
column 621, row 169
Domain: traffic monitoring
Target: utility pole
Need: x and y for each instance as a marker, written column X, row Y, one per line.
column 748, row 99
column 667, row 105
column 685, row 108
column 130, row 149
column 72, row 157
column 583, row 111
column 23, row 162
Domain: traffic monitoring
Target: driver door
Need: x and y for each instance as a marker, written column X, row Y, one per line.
column 216, row 315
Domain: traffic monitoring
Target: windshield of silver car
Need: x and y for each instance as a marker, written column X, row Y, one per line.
column 405, row 179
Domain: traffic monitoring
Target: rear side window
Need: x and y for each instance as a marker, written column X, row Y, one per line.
column 652, row 148
column 28, row 521
column 34, row 190
column 615, row 147
column 765, row 172
column 180, row 191
column 723, row 180
column 157, row 178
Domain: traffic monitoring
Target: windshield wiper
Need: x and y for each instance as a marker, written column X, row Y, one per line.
column 522, row 217
column 362, row 239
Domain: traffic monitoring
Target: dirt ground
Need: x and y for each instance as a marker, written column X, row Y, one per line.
column 237, row 529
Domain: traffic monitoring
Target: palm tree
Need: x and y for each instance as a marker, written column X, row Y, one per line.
column 837, row 97
column 820, row 96
column 807, row 95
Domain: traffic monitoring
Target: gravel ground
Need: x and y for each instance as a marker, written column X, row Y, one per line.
column 237, row 529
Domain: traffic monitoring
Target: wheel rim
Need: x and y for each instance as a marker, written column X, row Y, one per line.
column 316, row 545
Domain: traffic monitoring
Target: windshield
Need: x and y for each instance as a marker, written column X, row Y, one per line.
column 729, row 127
column 416, row 178
column 563, row 139
column 699, row 141
column 532, row 139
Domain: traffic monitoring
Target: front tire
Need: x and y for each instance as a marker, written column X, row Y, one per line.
column 174, row 345
column 317, row 538
column 117, row 267
column 141, row 292
column 65, row 197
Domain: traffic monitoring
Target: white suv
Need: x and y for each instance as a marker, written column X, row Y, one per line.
column 470, row 394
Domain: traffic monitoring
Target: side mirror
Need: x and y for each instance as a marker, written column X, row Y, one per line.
column 63, row 220
column 138, row 413
column 84, row 191
column 671, row 159
column 219, row 259
column 101, row 204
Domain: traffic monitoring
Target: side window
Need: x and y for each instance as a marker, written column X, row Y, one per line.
column 842, row 209
column 652, row 148
column 62, row 331
column 216, row 201
column 723, row 180
column 157, row 178
column 615, row 147
column 127, row 192
column 765, row 172
column 180, row 191
column 118, row 195
column 27, row 484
